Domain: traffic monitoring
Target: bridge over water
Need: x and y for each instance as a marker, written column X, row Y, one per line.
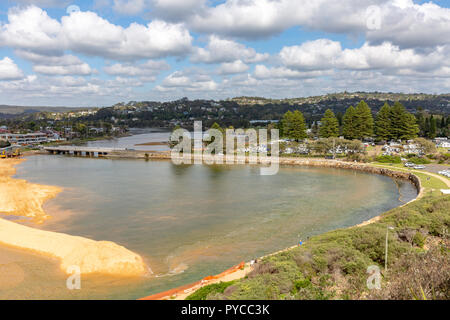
column 82, row 151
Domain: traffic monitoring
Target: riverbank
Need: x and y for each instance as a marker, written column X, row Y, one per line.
column 23, row 199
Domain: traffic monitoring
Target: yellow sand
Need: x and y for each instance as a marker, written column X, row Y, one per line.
column 20, row 198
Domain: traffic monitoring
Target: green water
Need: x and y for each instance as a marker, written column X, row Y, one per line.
column 188, row 222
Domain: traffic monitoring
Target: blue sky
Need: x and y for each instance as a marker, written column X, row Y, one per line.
column 110, row 51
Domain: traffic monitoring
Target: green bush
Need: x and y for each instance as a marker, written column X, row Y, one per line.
column 417, row 160
column 202, row 293
column 388, row 159
column 419, row 239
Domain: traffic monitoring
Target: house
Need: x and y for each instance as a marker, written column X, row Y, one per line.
column 25, row 139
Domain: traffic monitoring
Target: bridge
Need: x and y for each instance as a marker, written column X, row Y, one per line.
column 82, row 151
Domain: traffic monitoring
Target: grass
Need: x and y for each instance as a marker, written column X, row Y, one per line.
column 428, row 182
column 333, row 265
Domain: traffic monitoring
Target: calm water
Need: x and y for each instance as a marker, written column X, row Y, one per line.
column 191, row 221
column 140, row 136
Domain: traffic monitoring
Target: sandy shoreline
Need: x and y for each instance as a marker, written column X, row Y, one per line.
column 20, row 198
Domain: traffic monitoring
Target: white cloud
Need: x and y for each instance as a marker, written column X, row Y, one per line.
column 324, row 54
column 223, row 50
column 56, row 65
column 31, row 29
column 176, row 10
column 79, row 69
column 188, row 81
column 402, row 22
column 148, row 69
column 233, row 67
column 315, row 55
column 263, row 72
column 129, row 7
column 9, row 70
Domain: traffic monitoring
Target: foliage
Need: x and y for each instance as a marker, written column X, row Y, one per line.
column 363, row 121
column 294, row 125
column 4, row 144
column 383, row 129
column 202, row 293
column 417, row 160
column 388, row 159
column 425, row 145
column 348, row 129
column 329, row 125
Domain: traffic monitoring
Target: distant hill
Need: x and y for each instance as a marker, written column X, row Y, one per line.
column 16, row 110
column 379, row 96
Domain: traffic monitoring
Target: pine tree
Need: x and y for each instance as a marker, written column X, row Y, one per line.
column 403, row 124
column 432, row 133
column 329, row 125
column 410, row 127
column 294, row 125
column 363, row 121
column 383, row 127
column 348, row 126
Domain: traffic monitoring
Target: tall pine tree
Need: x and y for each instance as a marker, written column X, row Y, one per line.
column 403, row 124
column 348, row 123
column 363, row 121
column 383, row 126
column 294, row 125
column 329, row 125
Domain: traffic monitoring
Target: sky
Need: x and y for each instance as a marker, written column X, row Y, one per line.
column 100, row 52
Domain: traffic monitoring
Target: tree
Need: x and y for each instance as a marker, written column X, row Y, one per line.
column 329, row 125
column 294, row 125
column 383, row 126
column 363, row 121
column 426, row 145
column 4, row 144
column 410, row 129
column 348, row 129
column 432, row 133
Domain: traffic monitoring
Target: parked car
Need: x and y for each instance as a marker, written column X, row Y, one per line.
column 419, row 167
column 445, row 173
column 409, row 164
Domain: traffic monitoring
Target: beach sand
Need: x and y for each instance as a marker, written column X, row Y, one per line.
column 20, row 198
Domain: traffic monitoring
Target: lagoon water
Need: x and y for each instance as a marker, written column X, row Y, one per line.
column 188, row 222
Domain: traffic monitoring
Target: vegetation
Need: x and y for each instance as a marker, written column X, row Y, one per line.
column 216, row 288
column 388, row 159
column 329, row 126
column 294, row 125
column 4, row 144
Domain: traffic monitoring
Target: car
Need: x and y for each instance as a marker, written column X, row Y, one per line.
column 409, row 164
column 419, row 167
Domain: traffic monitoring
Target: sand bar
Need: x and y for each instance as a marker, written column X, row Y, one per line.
column 20, row 198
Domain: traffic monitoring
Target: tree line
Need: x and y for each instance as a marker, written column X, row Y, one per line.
column 390, row 123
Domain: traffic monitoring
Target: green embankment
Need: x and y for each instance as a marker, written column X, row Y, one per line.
column 334, row 265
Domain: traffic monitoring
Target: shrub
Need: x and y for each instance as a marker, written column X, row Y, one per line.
column 419, row 239
column 417, row 160
column 203, row 293
column 388, row 159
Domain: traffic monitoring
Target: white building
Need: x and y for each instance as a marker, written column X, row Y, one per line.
column 25, row 139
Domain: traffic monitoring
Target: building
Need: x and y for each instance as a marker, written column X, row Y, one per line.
column 24, row 139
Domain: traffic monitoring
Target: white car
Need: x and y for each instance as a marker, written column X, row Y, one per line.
column 419, row 167
column 409, row 164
